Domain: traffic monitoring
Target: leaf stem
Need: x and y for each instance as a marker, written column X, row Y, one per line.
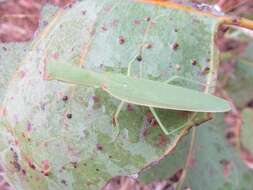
column 188, row 159
column 237, row 21
column 224, row 19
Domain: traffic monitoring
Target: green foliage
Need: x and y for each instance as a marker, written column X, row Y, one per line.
column 215, row 164
column 240, row 85
column 247, row 129
column 51, row 142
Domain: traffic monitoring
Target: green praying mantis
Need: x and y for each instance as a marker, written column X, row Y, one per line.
column 138, row 91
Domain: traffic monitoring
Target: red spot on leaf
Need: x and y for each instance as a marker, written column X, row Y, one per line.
column 96, row 99
column 174, row 46
column 136, row 22
column 83, row 12
column 65, row 98
column 121, row 40
column 31, row 165
column 151, row 120
column 177, row 176
column 99, row 147
column 104, row 87
column 22, row 74
column 45, row 165
column 2, row 111
column 55, row 55
column 29, row 127
column 250, row 104
column 162, row 140
column 227, row 166
column 114, row 23
column 147, row 18
column 104, row 28
column 130, row 107
column 247, row 157
column 114, row 121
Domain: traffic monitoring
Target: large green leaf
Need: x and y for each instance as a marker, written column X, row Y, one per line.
column 247, row 129
column 240, row 86
column 215, row 164
column 62, row 137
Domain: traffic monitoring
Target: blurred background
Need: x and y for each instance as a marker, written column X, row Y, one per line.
column 20, row 20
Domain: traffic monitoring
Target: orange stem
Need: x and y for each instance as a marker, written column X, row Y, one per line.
column 227, row 20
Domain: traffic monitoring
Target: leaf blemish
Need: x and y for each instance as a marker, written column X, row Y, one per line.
column 178, row 67
column 63, row 181
column 96, row 99
column 104, row 28
column 83, row 12
column 99, row 147
column 45, row 23
column 23, row 172
column 15, row 162
column 194, row 62
column 205, row 71
column 150, row 120
column 121, row 40
column 175, row 46
column 139, row 58
column 147, row 46
column 114, row 23
column 31, row 165
column 130, row 107
column 177, row 176
column 136, row 22
column 69, row 115
column 65, row 98
column 114, row 122
column 29, row 127
column 227, row 166
column 22, row 74
column 55, row 55
column 147, row 19
column 74, row 164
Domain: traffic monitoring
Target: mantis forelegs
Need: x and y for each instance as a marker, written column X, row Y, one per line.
column 115, row 117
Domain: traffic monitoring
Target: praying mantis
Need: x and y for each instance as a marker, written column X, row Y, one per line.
column 138, row 91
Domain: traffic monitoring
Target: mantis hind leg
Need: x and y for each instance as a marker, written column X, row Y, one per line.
column 153, row 109
column 116, row 115
column 158, row 121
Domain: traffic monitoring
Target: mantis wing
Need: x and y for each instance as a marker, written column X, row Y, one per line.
column 161, row 95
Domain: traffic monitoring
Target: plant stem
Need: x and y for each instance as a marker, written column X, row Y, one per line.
column 224, row 19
